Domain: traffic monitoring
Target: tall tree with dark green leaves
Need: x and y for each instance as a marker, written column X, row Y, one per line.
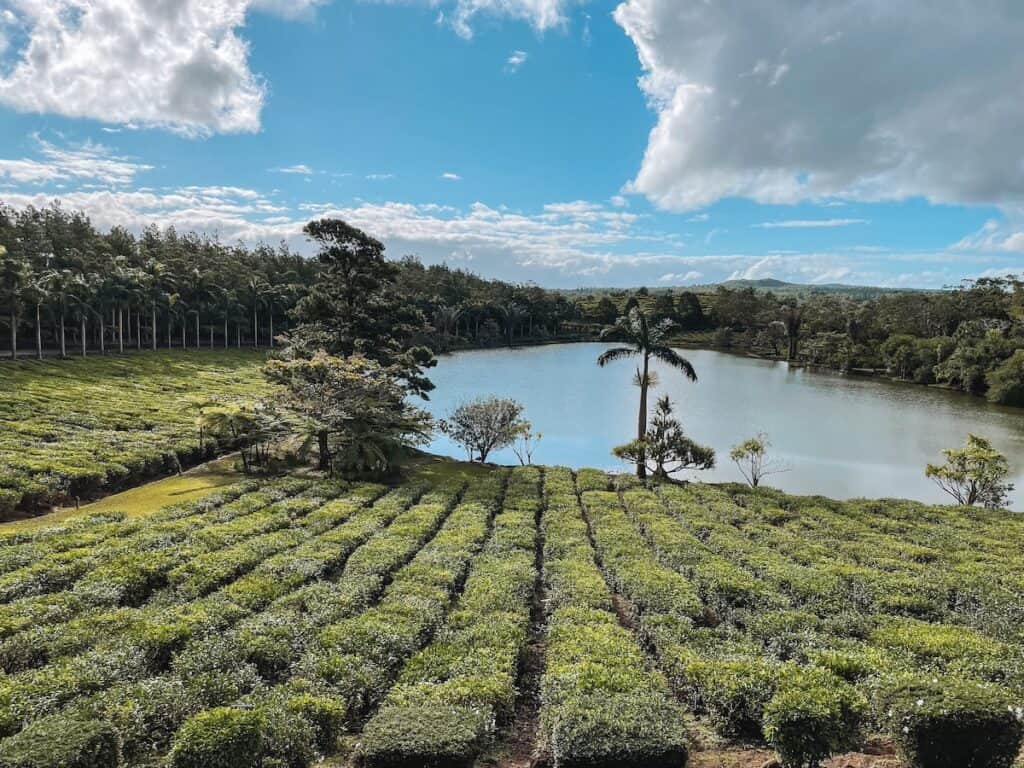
column 645, row 341
column 356, row 308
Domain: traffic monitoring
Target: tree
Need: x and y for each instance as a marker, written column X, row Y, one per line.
column 355, row 307
column 1006, row 383
column 484, row 425
column 646, row 342
column 752, row 459
column 251, row 427
column 14, row 277
column 352, row 408
column 526, row 443
column 665, row 449
column 975, row 474
column 793, row 318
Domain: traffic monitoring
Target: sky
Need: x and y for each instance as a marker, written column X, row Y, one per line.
column 570, row 143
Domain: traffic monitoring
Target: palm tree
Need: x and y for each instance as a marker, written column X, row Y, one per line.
column 645, row 341
column 14, row 276
column 256, row 286
column 37, row 293
column 793, row 317
column 512, row 314
column 62, row 286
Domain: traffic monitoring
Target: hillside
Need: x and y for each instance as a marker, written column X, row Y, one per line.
column 481, row 612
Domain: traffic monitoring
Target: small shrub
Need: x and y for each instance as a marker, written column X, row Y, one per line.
column 219, row 738
column 63, row 742
column 954, row 724
column 812, row 716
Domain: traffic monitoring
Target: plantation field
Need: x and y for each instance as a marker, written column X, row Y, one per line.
column 81, row 427
column 497, row 615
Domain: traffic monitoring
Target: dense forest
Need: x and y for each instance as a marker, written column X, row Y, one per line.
column 67, row 288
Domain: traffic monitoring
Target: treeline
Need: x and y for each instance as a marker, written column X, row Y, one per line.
column 67, row 288
column 969, row 338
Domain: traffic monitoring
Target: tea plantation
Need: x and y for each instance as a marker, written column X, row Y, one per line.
column 283, row 622
column 77, row 427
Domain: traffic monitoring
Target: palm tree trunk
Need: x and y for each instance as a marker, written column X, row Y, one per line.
column 39, row 335
column 120, row 330
column 198, row 345
column 184, row 346
column 225, row 331
column 255, row 328
column 271, row 329
column 83, row 336
column 641, row 424
column 168, row 330
column 63, row 345
column 138, row 329
column 211, row 335
column 14, row 335
column 103, row 333
column 238, row 334
column 154, row 325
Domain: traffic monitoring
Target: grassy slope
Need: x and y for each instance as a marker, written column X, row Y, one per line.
column 81, row 427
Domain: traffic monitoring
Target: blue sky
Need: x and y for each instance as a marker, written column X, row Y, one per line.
column 570, row 143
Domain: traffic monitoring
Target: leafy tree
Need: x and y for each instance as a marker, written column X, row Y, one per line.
column 752, row 458
column 526, row 443
column 352, row 408
column 251, row 427
column 355, row 307
column 665, row 449
column 606, row 311
column 689, row 312
column 485, row 424
column 975, row 474
column 793, row 319
column 1006, row 383
column 645, row 341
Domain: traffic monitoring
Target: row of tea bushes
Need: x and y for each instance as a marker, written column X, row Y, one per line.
column 451, row 697
column 136, row 642
column 214, row 664
column 351, row 662
column 802, row 680
column 74, row 427
column 600, row 704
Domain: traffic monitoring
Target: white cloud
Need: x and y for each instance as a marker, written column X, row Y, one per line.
column 699, row 218
column 993, row 237
column 619, row 201
column 449, row 176
column 461, row 14
column 174, row 64
column 515, row 61
column 379, row 176
column 300, row 169
column 790, row 100
column 810, row 223
column 676, row 277
column 85, row 162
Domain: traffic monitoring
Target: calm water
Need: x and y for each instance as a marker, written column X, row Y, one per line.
column 841, row 436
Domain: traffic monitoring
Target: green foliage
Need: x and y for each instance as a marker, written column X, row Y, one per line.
column 63, row 742
column 812, row 716
column 975, row 474
column 219, row 738
column 1006, row 382
column 485, row 424
column 953, row 724
column 665, row 449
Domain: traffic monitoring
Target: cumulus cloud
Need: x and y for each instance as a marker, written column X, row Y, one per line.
column 449, row 176
column 810, row 223
column 994, row 237
column 676, row 277
column 791, row 100
column 175, row 64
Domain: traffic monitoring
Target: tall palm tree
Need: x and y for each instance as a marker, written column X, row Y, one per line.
column 512, row 314
column 63, row 283
column 645, row 341
column 793, row 318
column 14, row 277
column 256, row 286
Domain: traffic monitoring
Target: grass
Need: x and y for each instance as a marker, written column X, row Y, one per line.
column 193, row 485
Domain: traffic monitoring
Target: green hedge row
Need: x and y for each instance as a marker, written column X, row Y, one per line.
column 451, row 696
column 600, row 704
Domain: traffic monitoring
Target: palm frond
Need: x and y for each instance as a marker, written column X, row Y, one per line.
column 615, row 353
column 670, row 357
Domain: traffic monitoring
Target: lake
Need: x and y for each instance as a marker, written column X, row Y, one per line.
column 841, row 436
